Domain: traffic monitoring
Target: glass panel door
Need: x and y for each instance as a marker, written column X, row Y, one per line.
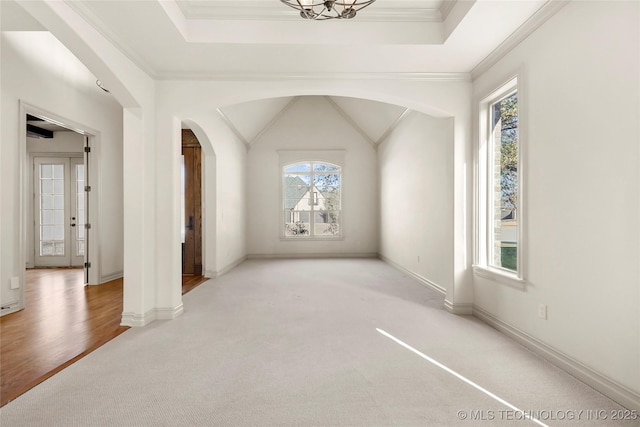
column 77, row 212
column 50, row 208
column 58, row 185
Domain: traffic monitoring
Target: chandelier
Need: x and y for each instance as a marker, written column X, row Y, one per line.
column 330, row 9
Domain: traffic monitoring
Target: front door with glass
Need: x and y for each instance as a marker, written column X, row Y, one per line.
column 59, row 211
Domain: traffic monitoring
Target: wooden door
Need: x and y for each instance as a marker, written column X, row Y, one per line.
column 192, row 187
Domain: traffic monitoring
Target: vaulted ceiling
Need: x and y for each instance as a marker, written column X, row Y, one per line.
column 373, row 120
column 262, row 39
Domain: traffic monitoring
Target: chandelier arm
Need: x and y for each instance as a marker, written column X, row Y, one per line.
column 308, row 11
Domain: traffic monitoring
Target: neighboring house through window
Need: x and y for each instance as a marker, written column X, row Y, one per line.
column 311, row 199
column 499, row 246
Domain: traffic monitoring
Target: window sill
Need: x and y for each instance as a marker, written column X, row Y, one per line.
column 500, row 276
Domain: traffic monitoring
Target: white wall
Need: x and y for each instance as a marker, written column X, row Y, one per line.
column 312, row 123
column 416, row 198
column 51, row 82
column 579, row 117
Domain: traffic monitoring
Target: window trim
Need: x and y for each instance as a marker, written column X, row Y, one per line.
column 311, row 237
column 483, row 218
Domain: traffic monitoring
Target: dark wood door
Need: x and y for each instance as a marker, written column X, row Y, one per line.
column 192, row 246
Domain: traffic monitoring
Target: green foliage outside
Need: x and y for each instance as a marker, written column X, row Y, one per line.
column 509, row 258
column 507, row 112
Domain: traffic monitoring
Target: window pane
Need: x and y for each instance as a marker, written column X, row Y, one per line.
column 58, row 171
column 58, row 232
column 58, row 217
column 46, row 248
column 46, row 217
column 46, row 171
column 46, row 202
column 46, row 186
column 296, row 192
column 58, row 202
column 58, row 186
column 46, row 232
column 328, row 186
column 320, row 167
column 326, row 223
column 311, row 199
column 59, row 248
column 504, row 197
column 79, row 213
column 296, row 223
column 299, row 167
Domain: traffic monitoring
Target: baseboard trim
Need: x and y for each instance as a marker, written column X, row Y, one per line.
column 460, row 309
column 136, row 320
column 313, row 255
column 112, row 276
column 422, row 280
column 10, row 307
column 229, row 267
column 610, row 388
column 168, row 313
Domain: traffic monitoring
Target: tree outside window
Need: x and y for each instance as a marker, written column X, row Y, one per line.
column 311, row 200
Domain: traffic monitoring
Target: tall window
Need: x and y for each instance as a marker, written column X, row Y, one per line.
column 500, row 213
column 311, row 200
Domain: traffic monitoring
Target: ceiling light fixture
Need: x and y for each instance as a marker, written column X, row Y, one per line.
column 320, row 10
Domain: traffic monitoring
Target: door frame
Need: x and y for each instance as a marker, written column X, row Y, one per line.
column 192, row 180
column 25, row 222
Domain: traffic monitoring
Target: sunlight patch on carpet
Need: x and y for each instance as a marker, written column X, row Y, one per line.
column 457, row 375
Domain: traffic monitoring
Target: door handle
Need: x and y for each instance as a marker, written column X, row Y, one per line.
column 190, row 226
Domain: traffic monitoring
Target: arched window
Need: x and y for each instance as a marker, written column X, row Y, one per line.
column 311, row 200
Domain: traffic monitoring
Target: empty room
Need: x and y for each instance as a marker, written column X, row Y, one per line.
column 421, row 212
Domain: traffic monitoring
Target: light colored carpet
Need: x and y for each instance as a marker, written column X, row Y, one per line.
column 294, row 343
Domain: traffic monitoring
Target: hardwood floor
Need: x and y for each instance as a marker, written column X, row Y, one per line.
column 64, row 321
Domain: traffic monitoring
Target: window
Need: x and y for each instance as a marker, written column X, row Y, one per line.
column 500, row 175
column 311, row 200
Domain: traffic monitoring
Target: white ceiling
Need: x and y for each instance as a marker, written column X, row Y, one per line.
column 373, row 120
column 257, row 39
column 214, row 38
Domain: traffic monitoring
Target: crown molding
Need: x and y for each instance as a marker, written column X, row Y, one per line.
column 288, row 76
column 446, row 7
column 252, row 10
column 542, row 15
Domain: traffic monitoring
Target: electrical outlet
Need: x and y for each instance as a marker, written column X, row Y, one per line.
column 542, row 311
column 15, row 283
